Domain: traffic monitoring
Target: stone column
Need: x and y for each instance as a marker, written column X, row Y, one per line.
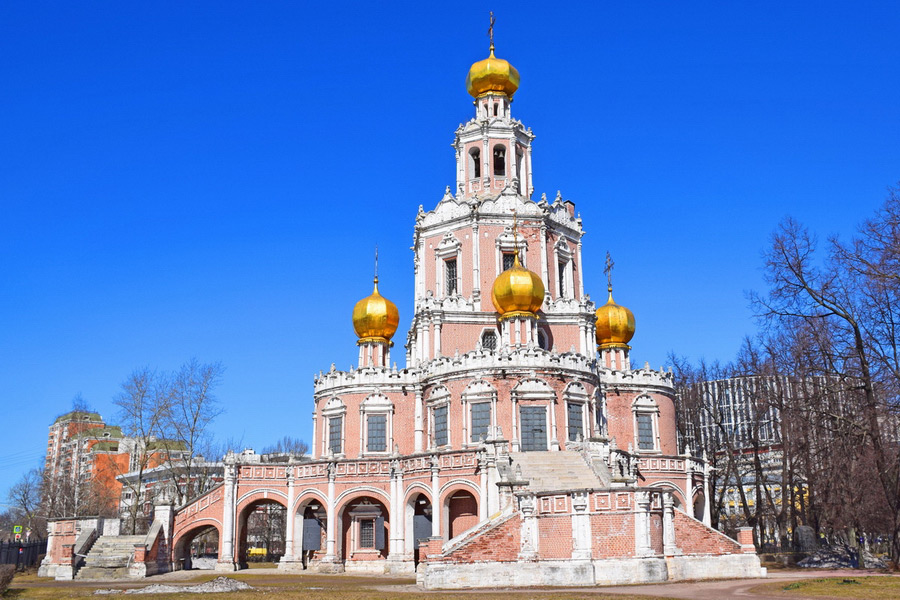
column 528, row 549
column 544, row 272
column 581, row 527
column 436, row 508
column 476, row 270
column 395, row 549
column 420, row 422
column 437, row 336
column 707, row 516
column 226, row 558
column 331, row 518
column 669, row 547
column 289, row 518
column 642, row 524
column 484, row 465
column 554, row 439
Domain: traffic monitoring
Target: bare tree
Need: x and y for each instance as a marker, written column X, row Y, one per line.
column 287, row 445
column 25, row 497
column 142, row 406
column 191, row 407
column 847, row 303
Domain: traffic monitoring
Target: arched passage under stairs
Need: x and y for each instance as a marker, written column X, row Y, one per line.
column 310, row 528
column 198, row 547
column 418, row 514
column 261, row 527
column 461, row 512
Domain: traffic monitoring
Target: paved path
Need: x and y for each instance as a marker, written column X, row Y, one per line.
column 732, row 588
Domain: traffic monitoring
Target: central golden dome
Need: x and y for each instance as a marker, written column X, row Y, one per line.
column 375, row 318
column 492, row 75
column 517, row 291
column 615, row 324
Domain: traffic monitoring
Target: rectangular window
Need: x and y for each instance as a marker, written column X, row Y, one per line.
column 376, row 427
column 367, row 533
column 645, row 432
column 562, row 279
column 508, row 260
column 452, row 280
column 440, row 426
column 481, row 421
column 576, row 426
column 335, row 426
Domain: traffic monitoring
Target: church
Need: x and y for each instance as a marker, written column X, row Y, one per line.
column 518, row 447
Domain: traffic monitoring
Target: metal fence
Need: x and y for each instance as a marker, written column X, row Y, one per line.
column 21, row 554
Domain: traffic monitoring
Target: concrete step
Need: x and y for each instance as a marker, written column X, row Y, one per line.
column 549, row 471
column 102, row 573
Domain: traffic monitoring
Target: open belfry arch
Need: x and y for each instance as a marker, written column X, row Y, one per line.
column 518, row 446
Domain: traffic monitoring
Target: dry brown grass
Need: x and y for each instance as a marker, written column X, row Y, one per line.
column 881, row 587
column 279, row 586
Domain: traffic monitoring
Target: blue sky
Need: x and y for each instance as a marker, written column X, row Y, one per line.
column 209, row 179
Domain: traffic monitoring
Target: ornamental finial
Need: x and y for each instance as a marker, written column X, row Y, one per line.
column 608, row 270
column 491, row 32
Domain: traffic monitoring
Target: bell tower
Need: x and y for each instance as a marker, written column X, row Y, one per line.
column 493, row 151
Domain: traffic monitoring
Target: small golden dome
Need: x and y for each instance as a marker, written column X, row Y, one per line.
column 615, row 325
column 492, row 75
column 517, row 291
column 375, row 318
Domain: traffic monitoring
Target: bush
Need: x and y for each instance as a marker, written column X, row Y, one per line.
column 6, row 576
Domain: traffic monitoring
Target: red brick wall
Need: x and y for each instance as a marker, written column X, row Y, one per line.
column 656, row 533
column 555, row 533
column 693, row 537
column 613, row 535
column 498, row 544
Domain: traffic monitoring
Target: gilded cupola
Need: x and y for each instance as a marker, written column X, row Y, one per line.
column 492, row 74
column 517, row 292
column 615, row 324
column 375, row 318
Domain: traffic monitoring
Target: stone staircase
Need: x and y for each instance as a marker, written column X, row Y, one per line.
column 549, row 471
column 109, row 557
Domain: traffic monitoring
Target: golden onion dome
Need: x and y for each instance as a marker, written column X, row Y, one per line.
column 517, row 291
column 375, row 318
column 492, row 75
column 615, row 325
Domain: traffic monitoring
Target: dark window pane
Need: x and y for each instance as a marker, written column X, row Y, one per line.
column 440, row 426
column 575, row 423
column 508, row 259
column 451, row 276
column 645, row 432
column 489, row 340
column 481, row 420
column 334, row 434
column 367, row 533
column 377, row 431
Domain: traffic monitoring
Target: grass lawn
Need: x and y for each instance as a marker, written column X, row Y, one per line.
column 278, row 586
column 883, row 588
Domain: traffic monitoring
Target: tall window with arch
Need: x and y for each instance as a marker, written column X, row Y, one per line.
column 474, row 163
column 500, row 160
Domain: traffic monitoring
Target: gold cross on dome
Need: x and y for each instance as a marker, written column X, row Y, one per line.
column 491, row 30
column 608, row 270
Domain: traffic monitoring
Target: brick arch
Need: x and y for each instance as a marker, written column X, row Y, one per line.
column 677, row 492
column 303, row 498
column 257, row 494
column 415, row 489
column 188, row 533
column 360, row 492
column 462, row 514
column 346, row 527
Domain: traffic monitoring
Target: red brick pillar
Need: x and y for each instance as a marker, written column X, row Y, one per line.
column 745, row 539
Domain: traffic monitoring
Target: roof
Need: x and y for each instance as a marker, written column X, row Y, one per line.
column 79, row 415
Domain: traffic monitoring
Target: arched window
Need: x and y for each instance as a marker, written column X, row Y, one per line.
column 542, row 340
column 500, row 160
column 474, row 163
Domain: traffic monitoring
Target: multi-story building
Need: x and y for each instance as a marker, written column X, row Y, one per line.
column 518, row 446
